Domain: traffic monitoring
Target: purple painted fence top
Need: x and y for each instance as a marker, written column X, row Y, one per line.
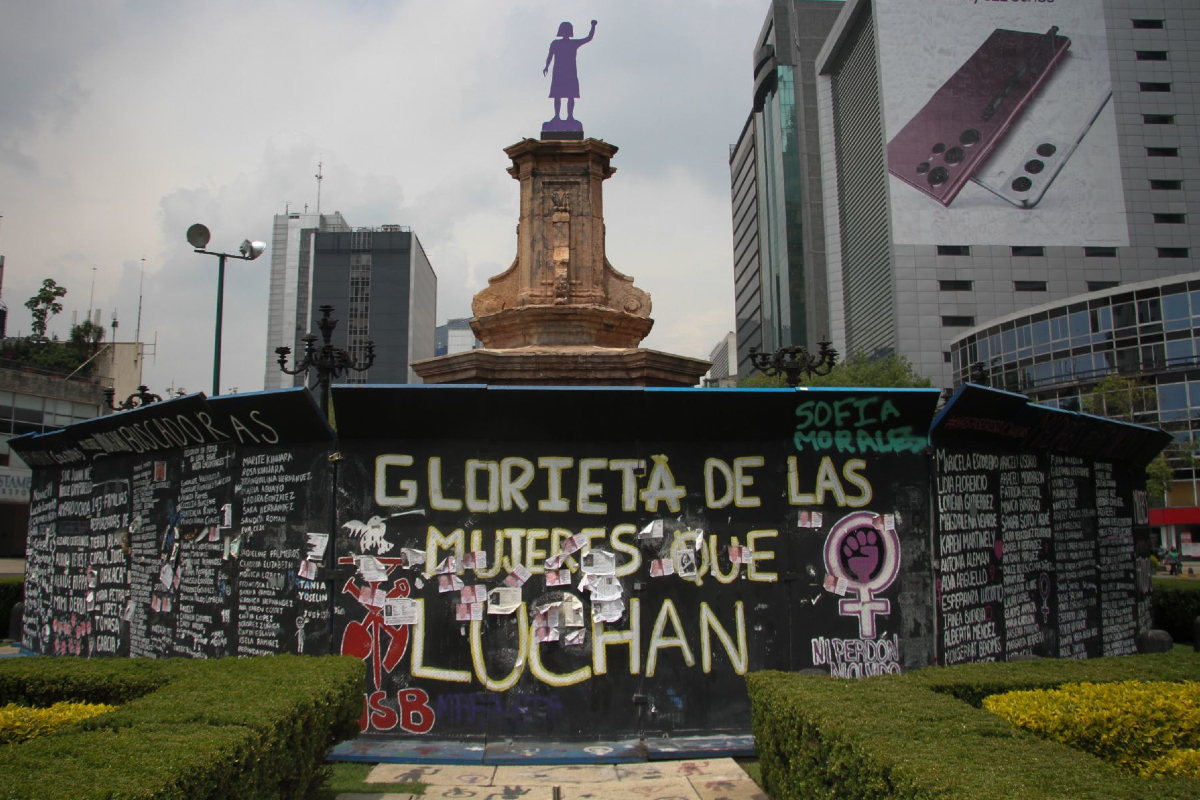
column 564, row 80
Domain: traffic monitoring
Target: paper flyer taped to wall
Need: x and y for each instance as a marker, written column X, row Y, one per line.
column 652, row 531
column 558, row 577
column 317, row 542
column 520, row 573
column 662, row 567
column 410, row 557
column 399, row 611
column 473, row 594
column 371, row 570
column 608, row 610
column 449, row 583
column 504, row 600
column 599, row 562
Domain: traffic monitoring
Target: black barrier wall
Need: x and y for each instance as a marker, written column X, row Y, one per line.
column 1041, row 542
column 585, row 562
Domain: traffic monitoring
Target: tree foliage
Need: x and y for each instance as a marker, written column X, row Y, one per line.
column 1159, row 477
column 1119, row 397
column 44, row 305
column 858, row 369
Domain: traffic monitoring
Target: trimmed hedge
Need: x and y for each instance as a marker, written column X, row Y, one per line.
column 922, row 735
column 1176, row 606
column 1127, row 723
column 225, row 728
column 12, row 591
column 19, row 723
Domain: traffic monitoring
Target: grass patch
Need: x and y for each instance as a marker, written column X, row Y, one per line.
column 345, row 776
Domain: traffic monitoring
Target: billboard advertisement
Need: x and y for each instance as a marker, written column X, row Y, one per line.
column 999, row 122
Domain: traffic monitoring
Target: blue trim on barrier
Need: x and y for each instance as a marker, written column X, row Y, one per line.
column 377, row 750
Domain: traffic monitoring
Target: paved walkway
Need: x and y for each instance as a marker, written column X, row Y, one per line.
column 710, row 779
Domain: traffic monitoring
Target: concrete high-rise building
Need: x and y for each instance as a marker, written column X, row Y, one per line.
column 455, row 336
column 723, row 373
column 775, row 178
column 382, row 288
column 978, row 163
column 289, row 312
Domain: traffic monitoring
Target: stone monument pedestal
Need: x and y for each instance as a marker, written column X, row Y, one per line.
column 570, row 365
column 561, row 315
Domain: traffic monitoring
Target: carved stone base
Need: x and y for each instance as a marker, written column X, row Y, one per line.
column 558, row 326
column 563, row 366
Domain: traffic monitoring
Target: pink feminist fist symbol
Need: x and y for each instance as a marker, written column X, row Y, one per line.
column 868, row 560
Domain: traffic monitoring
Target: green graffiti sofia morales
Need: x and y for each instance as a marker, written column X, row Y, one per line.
column 854, row 425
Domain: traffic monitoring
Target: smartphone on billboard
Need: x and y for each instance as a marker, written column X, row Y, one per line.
column 940, row 148
column 1024, row 165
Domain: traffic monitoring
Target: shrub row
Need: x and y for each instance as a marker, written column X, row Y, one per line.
column 12, row 590
column 922, row 735
column 19, row 723
column 1129, row 723
column 227, row 728
column 1176, row 606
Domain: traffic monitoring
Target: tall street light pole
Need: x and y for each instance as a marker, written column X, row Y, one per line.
column 198, row 236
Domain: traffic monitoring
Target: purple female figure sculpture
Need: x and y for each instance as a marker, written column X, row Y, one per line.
column 565, row 81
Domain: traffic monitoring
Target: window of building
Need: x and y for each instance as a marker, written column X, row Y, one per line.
column 1162, row 152
column 1172, row 401
column 1165, row 186
column 358, row 325
column 958, row 322
column 1152, row 86
column 1151, row 55
column 1175, row 311
column 955, row 286
column 1158, row 119
column 1170, row 219
column 1028, row 250
column 1095, row 286
column 953, row 250
column 1149, row 310
column 1148, row 24
column 1029, row 286
column 1179, row 350
column 1172, row 252
column 946, row 356
column 1100, row 252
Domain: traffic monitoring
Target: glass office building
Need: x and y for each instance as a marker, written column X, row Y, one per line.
column 1058, row 352
column 775, row 174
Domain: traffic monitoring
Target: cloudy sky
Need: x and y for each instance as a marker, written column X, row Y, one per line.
column 122, row 123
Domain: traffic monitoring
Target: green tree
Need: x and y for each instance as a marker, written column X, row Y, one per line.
column 858, row 369
column 1159, row 477
column 86, row 338
column 1119, row 397
column 44, row 305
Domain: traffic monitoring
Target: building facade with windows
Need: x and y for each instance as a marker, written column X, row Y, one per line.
column 1058, row 352
column 34, row 401
column 382, row 288
column 456, row 336
column 1001, row 166
column 289, row 312
column 775, row 174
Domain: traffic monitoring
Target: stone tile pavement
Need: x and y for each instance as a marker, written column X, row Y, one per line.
column 709, row 779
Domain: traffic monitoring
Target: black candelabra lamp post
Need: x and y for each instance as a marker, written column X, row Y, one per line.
column 329, row 361
column 142, row 397
column 793, row 361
